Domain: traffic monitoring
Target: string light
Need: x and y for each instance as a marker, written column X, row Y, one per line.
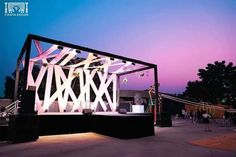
column 141, row 75
column 125, row 80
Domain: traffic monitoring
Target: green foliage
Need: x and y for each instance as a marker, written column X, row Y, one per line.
column 9, row 87
column 217, row 84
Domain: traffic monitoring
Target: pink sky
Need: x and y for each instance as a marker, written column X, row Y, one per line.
column 180, row 36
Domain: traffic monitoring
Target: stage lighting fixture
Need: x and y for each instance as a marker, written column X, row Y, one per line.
column 87, row 112
column 124, row 61
column 112, row 58
column 125, row 80
column 95, row 55
column 78, row 51
column 141, row 75
column 133, row 63
column 76, row 74
column 122, row 111
column 44, row 64
column 60, row 47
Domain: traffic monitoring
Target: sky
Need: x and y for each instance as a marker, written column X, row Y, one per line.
column 180, row 36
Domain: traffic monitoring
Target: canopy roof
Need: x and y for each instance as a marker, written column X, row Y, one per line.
column 73, row 56
column 44, row 51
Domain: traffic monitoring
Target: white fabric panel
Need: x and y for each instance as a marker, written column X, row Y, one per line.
column 48, row 87
column 38, row 46
column 63, row 82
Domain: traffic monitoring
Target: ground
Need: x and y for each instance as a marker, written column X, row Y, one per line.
column 184, row 139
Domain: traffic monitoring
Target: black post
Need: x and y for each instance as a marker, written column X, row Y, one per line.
column 26, row 66
column 17, row 77
column 16, row 80
column 156, row 93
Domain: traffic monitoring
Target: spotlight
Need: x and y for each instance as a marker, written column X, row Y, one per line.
column 60, row 47
column 125, row 80
column 76, row 74
column 112, row 59
column 78, row 51
column 87, row 112
column 124, row 61
column 133, row 63
column 141, row 75
column 44, row 64
column 95, row 55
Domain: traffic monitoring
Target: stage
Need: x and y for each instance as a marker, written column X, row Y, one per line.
column 124, row 126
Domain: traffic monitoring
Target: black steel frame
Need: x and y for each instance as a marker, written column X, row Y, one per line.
column 27, row 47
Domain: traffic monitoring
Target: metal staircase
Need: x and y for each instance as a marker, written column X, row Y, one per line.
column 11, row 109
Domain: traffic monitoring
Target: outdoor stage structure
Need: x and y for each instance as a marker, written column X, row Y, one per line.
column 54, row 68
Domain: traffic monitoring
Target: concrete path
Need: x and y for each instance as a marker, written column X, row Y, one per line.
column 168, row 142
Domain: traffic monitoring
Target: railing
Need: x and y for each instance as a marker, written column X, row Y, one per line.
column 12, row 109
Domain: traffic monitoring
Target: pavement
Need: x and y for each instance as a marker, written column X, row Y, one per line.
column 180, row 140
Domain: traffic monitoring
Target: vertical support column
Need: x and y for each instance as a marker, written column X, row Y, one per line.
column 16, row 80
column 114, row 96
column 118, row 91
column 157, row 105
column 27, row 46
column 26, row 67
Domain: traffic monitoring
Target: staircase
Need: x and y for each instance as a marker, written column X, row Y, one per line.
column 5, row 112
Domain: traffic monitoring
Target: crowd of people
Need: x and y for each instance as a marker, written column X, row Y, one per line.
column 200, row 116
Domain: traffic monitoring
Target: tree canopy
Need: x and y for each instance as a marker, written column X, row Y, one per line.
column 216, row 84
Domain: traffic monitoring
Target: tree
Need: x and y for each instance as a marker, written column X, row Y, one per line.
column 9, row 87
column 10, row 83
column 217, row 84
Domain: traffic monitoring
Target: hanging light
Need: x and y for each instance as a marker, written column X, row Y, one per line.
column 125, row 80
column 76, row 74
column 78, row 51
column 141, row 75
column 60, row 47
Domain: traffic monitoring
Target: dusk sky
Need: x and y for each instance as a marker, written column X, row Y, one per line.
column 180, row 36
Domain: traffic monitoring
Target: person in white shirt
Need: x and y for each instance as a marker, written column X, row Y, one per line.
column 206, row 121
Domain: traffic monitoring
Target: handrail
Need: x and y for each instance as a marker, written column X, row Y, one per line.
column 12, row 109
column 200, row 104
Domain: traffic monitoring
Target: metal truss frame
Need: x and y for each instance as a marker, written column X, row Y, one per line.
column 52, row 65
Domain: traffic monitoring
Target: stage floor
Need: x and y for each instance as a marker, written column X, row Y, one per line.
column 93, row 113
column 28, row 127
column 125, row 126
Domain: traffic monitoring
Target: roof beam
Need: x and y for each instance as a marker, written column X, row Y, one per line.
column 61, row 43
column 136, row 70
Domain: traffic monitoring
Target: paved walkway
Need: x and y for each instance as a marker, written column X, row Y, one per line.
column 168, row 142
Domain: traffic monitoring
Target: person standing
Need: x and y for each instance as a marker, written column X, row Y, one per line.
column 198, row 116
column 206, row 121
column 191, row 116
column 183, row 113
